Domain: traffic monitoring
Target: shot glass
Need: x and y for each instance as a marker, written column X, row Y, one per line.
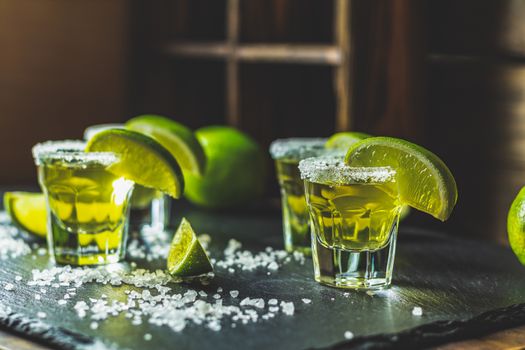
column 354, row 215
column 287, row 153
column 150, row 209
column 87, row 206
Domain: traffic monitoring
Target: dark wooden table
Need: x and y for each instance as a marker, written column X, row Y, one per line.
column 467, row 289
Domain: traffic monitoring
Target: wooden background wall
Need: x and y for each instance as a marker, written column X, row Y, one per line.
column 447, row 74
column 63, row 66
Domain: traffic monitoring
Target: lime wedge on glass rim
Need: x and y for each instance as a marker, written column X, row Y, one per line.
column 186, row 256
column 424, row 181
column 516, row 226
column 343, row 140
column 179, row 140
column 142, row 160
column 27, row 211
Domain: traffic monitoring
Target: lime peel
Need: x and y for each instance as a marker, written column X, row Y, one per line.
column 187, row 257
column 178, row 139
column 27, row 210
column 142, row 160
column 516, row 226
column 425, row 182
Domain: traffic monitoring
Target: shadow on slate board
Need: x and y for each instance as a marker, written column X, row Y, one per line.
column 466, row 289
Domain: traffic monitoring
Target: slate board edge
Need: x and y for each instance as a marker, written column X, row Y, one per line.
column 440, row 332
column 430, row 334
column 41, row 332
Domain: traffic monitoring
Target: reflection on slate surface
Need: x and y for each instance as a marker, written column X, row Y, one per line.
column 451, row 279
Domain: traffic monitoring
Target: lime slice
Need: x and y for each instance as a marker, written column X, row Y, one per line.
column 175, row 137
column 343, row 140
column 142, row 160
column 28, row 211
column 516, row 226
column 186, row 256
column 425, row 183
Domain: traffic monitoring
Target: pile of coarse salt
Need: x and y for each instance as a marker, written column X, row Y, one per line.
column 156, row 303
column 269, row 259
column 10, row 246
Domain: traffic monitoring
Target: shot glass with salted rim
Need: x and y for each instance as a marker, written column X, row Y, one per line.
column 355, row 217
column 150, row 209
column 87, row 205
column 287, row 153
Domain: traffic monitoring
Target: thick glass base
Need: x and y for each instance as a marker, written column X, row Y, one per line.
column 156, row 215
column 65, row 257
column 103, row 247
column 363, row 270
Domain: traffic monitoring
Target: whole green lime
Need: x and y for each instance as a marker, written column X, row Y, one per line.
column 235, row 170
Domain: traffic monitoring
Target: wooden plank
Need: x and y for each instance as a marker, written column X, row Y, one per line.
column 212, row 50
column 508, row 339
column 342, row 79
column 232, row 68
column 289, row 53
column 13, row 342
column 473, row 27
column 273, row 53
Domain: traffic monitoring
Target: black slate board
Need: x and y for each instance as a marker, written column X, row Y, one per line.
column 451, row 279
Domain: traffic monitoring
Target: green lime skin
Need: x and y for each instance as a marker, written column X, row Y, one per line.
column 178, row 139
column 142, row 160
column 235, row 171
column 516, row 226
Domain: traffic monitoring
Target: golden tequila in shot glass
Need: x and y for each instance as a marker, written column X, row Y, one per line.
column 87, row 205
column 287, row 153
column 355, row 216
column 150, row 209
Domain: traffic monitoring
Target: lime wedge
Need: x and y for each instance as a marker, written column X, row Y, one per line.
column 516, row 226
column 425, row 183
column 343, row 140
column 142, row 160
column 175, row 137
column 28, row 211
column 186, row 256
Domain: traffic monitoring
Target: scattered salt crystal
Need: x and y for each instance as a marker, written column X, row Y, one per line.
column 259, row 303
column 203, row 293
column 370, row 293
column 288, row 308
column 147, row 337
column 417, row 311
column 349, row 335
column 273, row 266
column 306, row 301
column 41, row 314
column 18, row 278
column 9, row 286
column 216, row 296
column 41, row 251
column 234, row 293
column 332, row 299
column 273, row 302
column 37, row 296
column 93, row 325
column 273, row 308
column 62, row 302
column 219, row 290
column 346, row 294
column 231, row 270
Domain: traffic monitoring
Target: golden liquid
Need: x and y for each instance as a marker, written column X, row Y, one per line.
column 357, row 217
column 295, row 214
column 87, row 212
